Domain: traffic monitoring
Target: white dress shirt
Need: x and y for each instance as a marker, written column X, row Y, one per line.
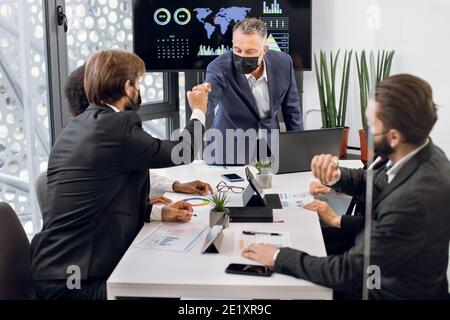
column 392, row 169
column 392, row 172
column 159, row 182
column 260, row 89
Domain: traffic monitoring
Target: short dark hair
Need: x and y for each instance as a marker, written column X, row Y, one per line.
column 74, row 92
column 251, row 26
column 107, row 72
column 405, row 103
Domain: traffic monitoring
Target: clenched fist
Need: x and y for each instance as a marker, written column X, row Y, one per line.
column 326, row 168
column 198, row 97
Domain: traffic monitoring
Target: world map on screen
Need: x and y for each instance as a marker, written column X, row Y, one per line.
column 223, row 19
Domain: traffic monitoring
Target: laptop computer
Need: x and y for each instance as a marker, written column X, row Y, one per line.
column 297, row 148
column 261, row 199
column 257, row 207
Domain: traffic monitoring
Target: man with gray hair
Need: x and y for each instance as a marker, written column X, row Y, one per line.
column 249, row 86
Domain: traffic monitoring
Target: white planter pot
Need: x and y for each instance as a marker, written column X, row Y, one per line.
column 219, row 218
column 265, row 180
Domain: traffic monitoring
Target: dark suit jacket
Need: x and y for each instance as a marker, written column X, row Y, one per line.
column 98, row 188
column 352, row 225
column 409, row 238
column 237, row 104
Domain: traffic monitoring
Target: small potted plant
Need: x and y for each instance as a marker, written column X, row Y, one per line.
column 264, row 176
column 219, row 214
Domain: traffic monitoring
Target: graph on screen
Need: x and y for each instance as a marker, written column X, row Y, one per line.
column 274, row 8
column 188, row 35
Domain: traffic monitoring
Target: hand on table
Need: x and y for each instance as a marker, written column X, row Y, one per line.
column 262, row 253
column 326, row 214
column 193, row 187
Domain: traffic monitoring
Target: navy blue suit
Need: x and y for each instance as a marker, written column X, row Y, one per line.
column 237, row 108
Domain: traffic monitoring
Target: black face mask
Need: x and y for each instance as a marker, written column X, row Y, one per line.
column 135, row 106
column 245, row 65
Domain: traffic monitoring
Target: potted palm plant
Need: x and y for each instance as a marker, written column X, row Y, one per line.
column 219, row 214
column 264, row 175
column 332, row 107
column 368, row 79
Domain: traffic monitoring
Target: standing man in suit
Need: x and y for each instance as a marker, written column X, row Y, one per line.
column 411, row 226
column 249, row 86
column 98, row 182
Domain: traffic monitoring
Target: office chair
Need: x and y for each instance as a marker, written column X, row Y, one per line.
column 41, row 190
column 15, row 270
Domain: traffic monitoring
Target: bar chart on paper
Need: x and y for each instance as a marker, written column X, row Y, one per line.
column 173, row 237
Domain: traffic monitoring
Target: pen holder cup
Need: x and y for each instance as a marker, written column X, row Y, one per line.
column 219, row 218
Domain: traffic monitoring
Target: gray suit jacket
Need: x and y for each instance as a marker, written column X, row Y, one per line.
column 409, row 238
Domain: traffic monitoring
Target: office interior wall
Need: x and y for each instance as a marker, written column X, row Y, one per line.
column 418, row 30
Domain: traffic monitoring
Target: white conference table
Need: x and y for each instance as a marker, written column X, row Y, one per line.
column 192, row 275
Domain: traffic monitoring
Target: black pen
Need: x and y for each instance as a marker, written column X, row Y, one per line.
column 254, row 233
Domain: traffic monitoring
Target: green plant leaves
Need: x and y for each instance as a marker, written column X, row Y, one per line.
column 218, row 201
column 369, row 79
column 333, row 115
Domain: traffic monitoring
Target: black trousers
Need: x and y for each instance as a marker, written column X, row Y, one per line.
column 91, row 289
column 337, row 241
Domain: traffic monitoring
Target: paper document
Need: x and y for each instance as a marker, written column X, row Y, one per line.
column 283, row 239
column 173, row 237
column 295, row 200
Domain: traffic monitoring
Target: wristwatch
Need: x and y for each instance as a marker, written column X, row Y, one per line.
column 275, row 255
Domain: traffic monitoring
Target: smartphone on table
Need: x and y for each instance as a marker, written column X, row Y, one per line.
column 249, row 269
column 233, row 177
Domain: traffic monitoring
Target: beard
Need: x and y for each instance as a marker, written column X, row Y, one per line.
column 134, row 103
column 383, row 148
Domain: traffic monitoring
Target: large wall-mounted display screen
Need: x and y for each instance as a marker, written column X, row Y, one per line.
column 188, row 35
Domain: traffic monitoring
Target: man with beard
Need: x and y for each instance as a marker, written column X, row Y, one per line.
column 98, row 181
column 410, row 222
column 339, row 231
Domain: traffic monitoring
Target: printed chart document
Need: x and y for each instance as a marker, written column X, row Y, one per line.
column 295, row 200
column 199, row 204
column 277, row 238
column 173, row 237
